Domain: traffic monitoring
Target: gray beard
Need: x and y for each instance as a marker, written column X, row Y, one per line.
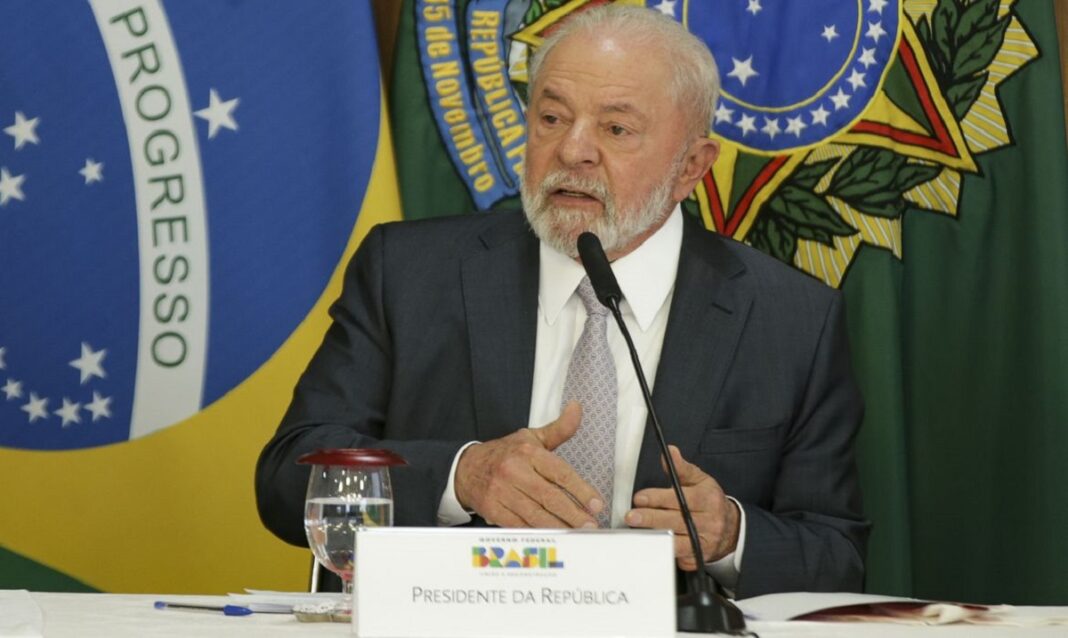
column 560, row 226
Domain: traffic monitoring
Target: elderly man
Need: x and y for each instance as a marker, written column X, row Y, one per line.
column 451, row 335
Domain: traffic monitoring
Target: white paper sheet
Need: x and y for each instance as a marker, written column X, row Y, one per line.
column 793, row 604
column 787, row 606
column 19, row 615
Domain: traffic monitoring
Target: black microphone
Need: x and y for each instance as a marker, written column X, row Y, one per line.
column 705, row 608
column 599, row 270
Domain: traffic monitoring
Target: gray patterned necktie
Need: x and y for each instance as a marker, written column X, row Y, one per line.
column 591, row 380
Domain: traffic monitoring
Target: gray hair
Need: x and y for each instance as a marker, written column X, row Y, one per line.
column 695, row 79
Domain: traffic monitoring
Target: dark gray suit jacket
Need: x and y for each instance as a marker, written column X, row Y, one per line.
column 432, row 345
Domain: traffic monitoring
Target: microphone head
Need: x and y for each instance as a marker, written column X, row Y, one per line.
column 599, row 270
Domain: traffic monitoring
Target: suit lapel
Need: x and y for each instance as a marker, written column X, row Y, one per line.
column 708, row 312
column 500, row 293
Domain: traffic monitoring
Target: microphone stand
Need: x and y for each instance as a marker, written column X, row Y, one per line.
column 705, row 607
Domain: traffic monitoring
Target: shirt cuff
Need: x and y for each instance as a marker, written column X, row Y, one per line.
column 727, row 569
column 450, row 512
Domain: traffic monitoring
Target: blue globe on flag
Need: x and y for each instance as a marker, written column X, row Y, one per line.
column 794, row 74
column 165, row 220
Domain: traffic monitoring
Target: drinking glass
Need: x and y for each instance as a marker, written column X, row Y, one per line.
column 348, row 489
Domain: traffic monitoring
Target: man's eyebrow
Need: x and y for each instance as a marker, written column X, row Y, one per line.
column 624, row 108
column 619, row 107
column 548, row 94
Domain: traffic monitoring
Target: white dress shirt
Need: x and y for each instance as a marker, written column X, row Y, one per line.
column 647, row 279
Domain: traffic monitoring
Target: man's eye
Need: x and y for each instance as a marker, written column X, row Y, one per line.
column 549, row 119
column 617, row 130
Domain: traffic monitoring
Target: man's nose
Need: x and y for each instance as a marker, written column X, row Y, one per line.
column 579, row 146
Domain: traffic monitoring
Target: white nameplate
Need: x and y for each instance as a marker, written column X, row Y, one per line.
column 473, row 582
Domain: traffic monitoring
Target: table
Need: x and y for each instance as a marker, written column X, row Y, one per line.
column 132, row 615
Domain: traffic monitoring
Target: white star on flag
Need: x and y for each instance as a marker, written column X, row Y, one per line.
column 795, row 125
column 667, row 7
column 830, row 32
column 3, row 353
column 771, row 127
column 69, row 412
column 876, row 6
column 875, row 31
column 100, row 407
column 724, row 114
column 867, row 57
column 743, row 69
column 12, row 389
column 37, row 408
column 89, row 363
column 856, row 78
column 754, row 7
column 92, row 171
column 840, row 99
column 10, row 186
column 819, row 116
column 24, row 131
column 218, row 113
column 747, row 123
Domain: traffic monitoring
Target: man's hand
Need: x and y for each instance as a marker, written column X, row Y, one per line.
column 516, row 481
column 716, row 516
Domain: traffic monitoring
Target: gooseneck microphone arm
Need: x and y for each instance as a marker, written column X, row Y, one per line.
column 706, row 608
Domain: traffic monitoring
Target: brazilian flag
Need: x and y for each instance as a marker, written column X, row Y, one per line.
column 181, row 183
column 909, row 152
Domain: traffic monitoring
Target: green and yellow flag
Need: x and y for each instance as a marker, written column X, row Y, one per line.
column 181, row 184
column 909, row 152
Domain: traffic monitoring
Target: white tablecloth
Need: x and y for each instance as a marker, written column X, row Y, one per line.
column 126, row 615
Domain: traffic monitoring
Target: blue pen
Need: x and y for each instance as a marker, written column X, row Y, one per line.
column 228, row 610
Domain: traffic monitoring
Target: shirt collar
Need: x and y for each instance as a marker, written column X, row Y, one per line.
column 646, row 275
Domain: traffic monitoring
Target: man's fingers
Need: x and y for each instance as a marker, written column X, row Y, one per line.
column 656, row 519
column 684, row 552
column 563, row 477
column 715, row 516
column 551, row 485
column 562, row 429
column 537, row 503
column 513, row 508
column 689, row 474
column 501, row 516
column 664, row 498
column 538, row 487
column 518, row 481
column 662, row 519
column 660, row 498
column 548, row 510
column 562, row 505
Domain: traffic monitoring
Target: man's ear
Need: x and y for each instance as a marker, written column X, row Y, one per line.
column 699, row 157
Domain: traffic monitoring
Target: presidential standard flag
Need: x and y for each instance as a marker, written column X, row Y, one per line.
column 909, row 152
column 180, row 185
